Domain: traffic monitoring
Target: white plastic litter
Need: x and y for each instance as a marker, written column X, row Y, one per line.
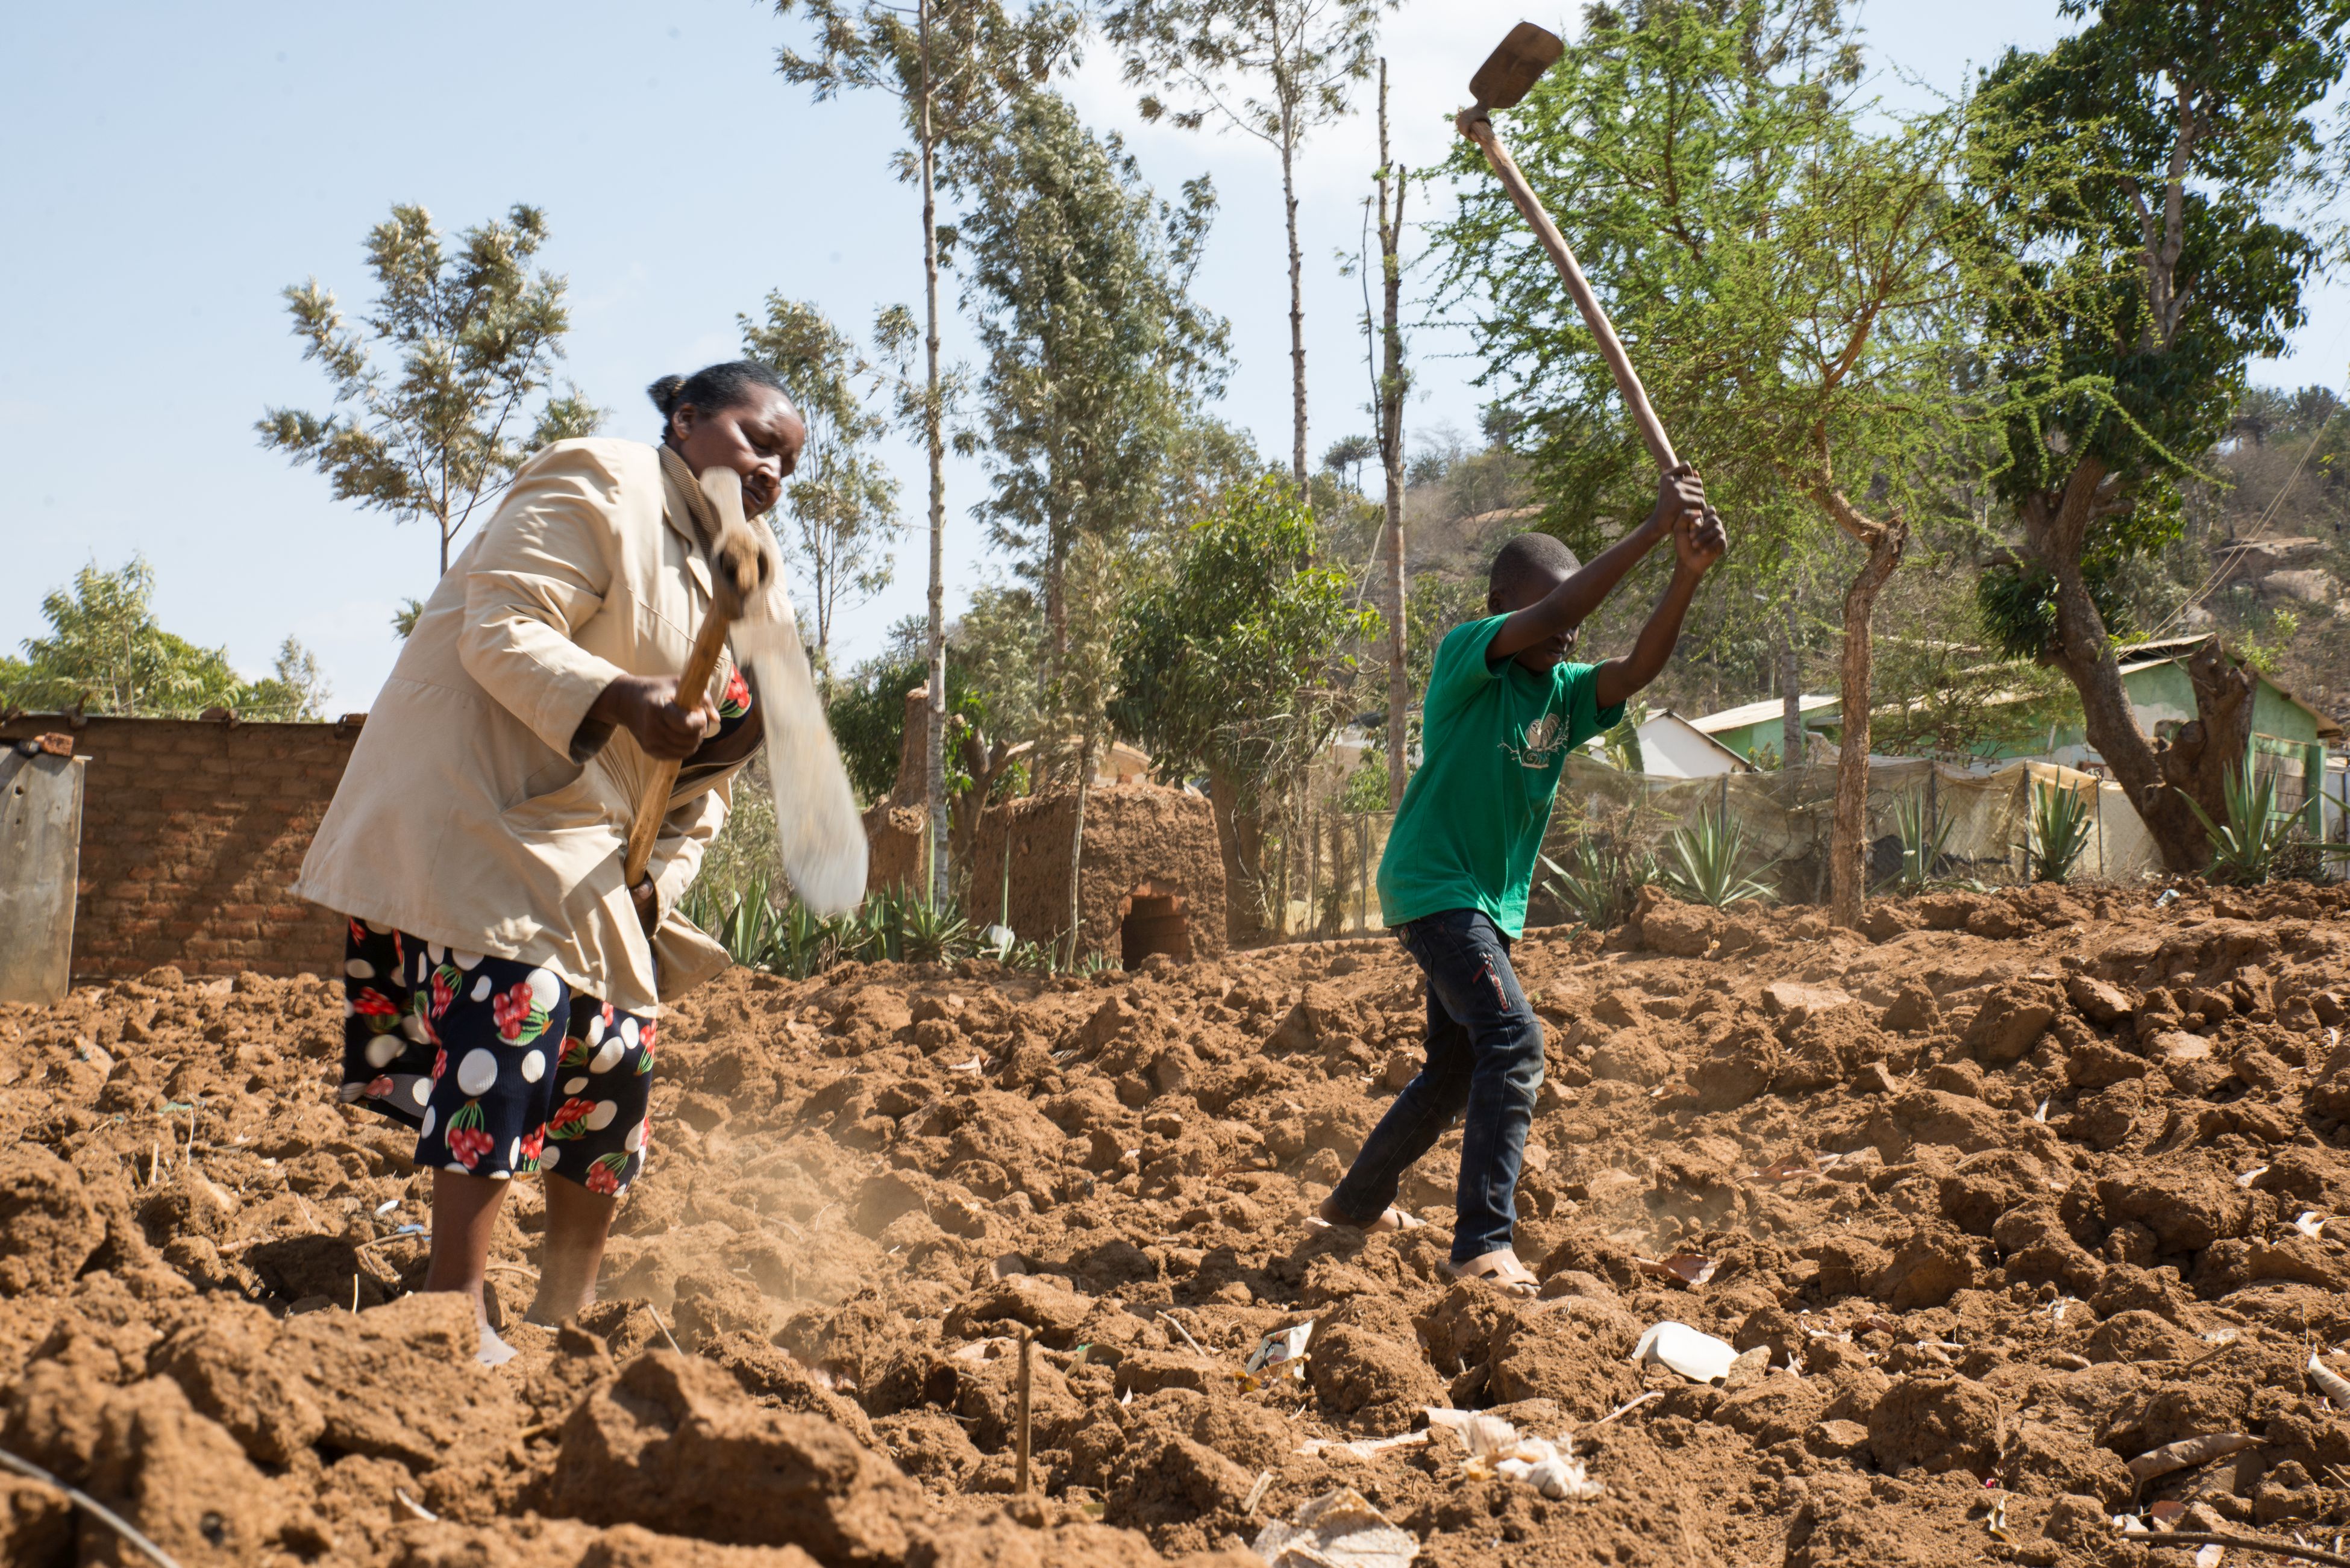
column 1280, row 1353
column 1498, row 1449
column 1339, row 1529
column 1363, row 1448
column 1696, row 1355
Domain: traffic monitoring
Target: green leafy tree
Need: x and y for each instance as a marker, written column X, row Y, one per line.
column 1943, row 693
column 1277, row 70
column 869, row 716
column 953, row 68
column 990, row 695
column 1787, row 277
column 476, row 331
column 295, row 688
column 1079, row 285
column 1241, row 665
column 842, row 501
column 2145, row 169
column 1346, row 457
column 106, row 654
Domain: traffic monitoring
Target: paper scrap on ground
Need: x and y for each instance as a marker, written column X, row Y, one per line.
column 1339, row 1529
column 1695, row 1356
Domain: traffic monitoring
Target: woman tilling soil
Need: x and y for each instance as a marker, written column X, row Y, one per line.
column 502, row 982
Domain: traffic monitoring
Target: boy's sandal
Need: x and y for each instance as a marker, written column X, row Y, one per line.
column 1499, row 1267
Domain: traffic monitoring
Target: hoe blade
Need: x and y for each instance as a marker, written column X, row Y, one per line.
column 1511, row 70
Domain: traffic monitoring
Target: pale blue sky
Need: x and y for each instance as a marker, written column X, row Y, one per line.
column 168, row 169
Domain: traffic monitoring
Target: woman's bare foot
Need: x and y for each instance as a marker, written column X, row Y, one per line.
column 550, row 1311
column 578, row 1221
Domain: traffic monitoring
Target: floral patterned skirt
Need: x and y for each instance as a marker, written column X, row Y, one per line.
column 501, row 1069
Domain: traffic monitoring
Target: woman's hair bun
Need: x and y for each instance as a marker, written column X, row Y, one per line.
column 714, row 387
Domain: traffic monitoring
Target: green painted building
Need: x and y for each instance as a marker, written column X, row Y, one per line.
column 2289, row 736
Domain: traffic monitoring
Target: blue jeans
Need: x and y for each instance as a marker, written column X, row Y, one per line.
column 1484, row 1056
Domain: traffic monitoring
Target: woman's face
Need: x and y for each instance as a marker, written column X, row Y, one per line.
column 758, row 438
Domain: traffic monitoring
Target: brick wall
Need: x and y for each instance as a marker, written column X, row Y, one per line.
column 192, row 831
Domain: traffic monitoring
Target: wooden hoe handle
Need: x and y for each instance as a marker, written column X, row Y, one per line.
column 736, row 563
column 1474, row 124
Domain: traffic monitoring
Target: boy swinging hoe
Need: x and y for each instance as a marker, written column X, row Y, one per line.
column 1503, row 707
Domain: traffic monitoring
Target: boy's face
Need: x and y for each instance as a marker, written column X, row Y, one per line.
column 1531, row 586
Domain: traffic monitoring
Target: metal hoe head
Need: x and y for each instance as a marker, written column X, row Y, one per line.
column 1511, row 71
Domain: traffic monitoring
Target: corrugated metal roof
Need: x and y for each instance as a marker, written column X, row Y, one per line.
column 1747, row 713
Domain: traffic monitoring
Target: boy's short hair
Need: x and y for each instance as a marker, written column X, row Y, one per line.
column 1529, row 555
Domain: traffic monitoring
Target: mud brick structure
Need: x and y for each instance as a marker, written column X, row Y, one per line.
column 192, row 831
column 1153, row 879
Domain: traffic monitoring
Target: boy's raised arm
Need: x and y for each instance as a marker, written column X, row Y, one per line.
column 1699, row 541
column 1679, row 494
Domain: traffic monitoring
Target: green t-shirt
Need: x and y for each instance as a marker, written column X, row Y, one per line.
column 1493, row 739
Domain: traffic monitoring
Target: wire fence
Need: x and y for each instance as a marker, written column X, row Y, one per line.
column 1786, row 817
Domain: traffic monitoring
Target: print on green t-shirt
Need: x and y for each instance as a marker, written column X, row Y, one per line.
column 1494, row 740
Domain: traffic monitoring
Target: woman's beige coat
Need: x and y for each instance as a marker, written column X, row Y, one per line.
column 480, row 808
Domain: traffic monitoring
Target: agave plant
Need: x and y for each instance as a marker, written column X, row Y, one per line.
column 747, row 923
column 1701, row 863
column 932, row 932
column 1035, row 958
column 2245, row 848
column 2058, row 834
column 1598, row 887
column 1923, row 834
column 809, row 944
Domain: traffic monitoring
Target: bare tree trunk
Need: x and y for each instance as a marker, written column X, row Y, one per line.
column 1390, row 412
column 1241, row 836
column 983, row 760
column 1296, row 313
column 2207, row 751
column 1792, row 745
column 1045, row 752
column 1078, row 847
column 934, row 788
column 1848, row 841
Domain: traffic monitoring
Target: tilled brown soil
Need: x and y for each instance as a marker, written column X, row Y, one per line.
column 2000, row 1196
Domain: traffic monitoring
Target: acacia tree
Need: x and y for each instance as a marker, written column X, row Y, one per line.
column 1278, row 71
column 1238, row 663
column 477, row 333
column 1787, row 282
column 2143, row 168
column 953, row 66
column 843, row 502
column 1079, row 285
